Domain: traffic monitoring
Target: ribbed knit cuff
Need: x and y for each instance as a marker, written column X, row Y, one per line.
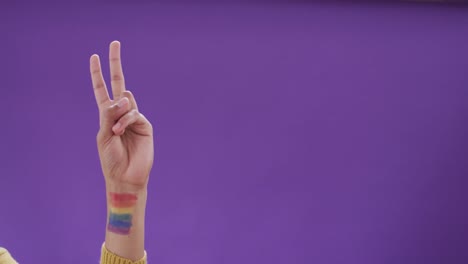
column 108, row 257
column 6, row 258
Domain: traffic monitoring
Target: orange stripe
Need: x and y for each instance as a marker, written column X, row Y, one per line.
column 122, row 204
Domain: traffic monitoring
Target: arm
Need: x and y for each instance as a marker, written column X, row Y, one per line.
column 125, row 145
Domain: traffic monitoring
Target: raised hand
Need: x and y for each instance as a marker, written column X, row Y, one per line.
column 125, row 137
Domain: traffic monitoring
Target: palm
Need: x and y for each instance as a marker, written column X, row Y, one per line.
column 125, row 138
column 128, row 157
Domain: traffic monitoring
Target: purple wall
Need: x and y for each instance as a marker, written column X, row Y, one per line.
column 286, row 133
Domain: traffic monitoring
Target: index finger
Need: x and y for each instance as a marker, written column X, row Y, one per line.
column 100, row 89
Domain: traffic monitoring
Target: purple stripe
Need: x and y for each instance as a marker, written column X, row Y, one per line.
column 118, row 230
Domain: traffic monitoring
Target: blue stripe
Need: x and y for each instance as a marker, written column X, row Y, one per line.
column 121, row 217
column 120, row 220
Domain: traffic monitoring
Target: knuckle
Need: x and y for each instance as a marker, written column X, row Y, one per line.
column 127, row 94
column 117, row 78
column 99, row 85
column 130, row 115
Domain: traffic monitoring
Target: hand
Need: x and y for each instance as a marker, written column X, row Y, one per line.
column 125, row 137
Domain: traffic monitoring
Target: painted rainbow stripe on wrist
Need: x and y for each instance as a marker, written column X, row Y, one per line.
column 121, row 210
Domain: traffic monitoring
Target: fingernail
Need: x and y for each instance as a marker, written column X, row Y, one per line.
column 123, row 102
column 117, row 126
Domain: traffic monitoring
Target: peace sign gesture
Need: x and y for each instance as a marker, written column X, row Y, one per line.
column 125, row 137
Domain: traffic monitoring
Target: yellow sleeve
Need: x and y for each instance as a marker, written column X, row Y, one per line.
column 5, row 257
column 108, row 257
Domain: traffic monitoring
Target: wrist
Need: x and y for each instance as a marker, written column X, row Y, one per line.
column 126, row 200
column 139, row 194
column 119, row 187
column 125, row 221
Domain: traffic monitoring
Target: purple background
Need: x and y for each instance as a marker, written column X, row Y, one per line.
column 286, row 132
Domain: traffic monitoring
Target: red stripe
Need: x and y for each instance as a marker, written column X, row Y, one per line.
column 122, row 197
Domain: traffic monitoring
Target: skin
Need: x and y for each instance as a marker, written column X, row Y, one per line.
column 126, row 150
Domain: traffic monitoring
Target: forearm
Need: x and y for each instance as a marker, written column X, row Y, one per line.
column 126, row 150
column 125, row 231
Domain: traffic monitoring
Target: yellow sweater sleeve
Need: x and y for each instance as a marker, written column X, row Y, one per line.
column 108, row 257
column 5, row 257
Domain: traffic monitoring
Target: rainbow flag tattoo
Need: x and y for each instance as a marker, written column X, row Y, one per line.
column 121, row 210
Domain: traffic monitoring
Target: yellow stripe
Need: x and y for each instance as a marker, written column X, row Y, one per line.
column 121, row 210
